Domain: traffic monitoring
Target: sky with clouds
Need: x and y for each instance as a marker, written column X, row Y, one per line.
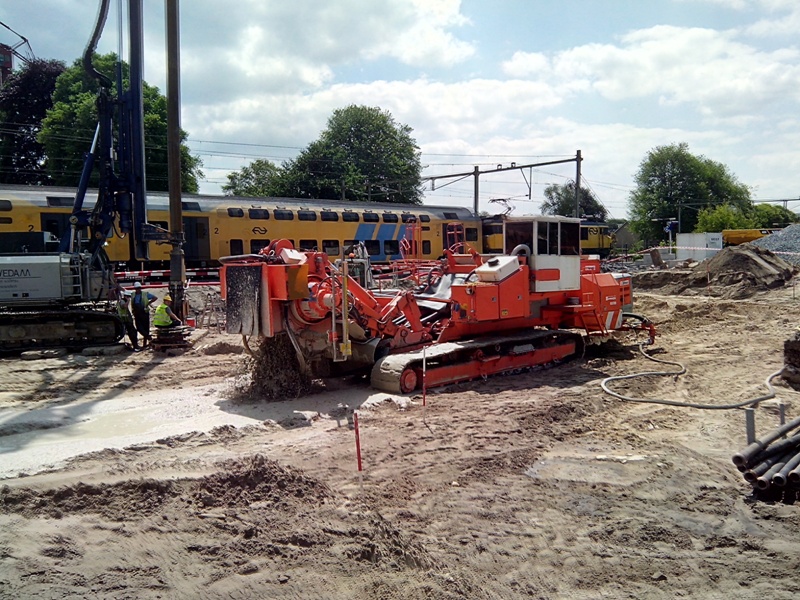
column 480, row 83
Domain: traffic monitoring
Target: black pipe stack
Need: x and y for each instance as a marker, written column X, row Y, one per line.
column 771, row 464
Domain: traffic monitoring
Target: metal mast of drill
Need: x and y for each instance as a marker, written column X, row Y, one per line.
column 177, row 267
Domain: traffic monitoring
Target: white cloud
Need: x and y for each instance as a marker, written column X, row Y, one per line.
column 710, row 70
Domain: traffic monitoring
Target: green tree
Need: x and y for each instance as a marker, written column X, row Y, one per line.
column 24, row 100
column 672, row 183
column 69, row 127
column 363, row 154
column 560, row 200
column 255, row 179
column 768, row 216
column 726, row 216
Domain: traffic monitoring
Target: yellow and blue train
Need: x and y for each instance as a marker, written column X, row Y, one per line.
column 218, row 226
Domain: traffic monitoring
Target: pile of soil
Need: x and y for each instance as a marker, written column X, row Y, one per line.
column 275, row 372
column 735, row 272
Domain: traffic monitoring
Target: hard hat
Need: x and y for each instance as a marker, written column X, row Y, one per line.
column 137, row 285
column 167, row 298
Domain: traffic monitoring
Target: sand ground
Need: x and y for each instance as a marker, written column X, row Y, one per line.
column 537, row 485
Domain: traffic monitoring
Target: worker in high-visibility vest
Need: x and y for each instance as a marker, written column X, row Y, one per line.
column 164, row 316
column 123, row 310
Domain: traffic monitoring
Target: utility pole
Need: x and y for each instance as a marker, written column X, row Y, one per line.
column 177, row 266
column 578, row 160
column 476, row 173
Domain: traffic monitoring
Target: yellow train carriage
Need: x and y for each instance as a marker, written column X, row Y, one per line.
column 216, row 226
column 245, row 226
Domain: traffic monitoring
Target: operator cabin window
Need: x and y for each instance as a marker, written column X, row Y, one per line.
column 519, row 233
column 570, row 239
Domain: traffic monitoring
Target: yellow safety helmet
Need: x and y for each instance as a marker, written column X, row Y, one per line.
column 167, row 298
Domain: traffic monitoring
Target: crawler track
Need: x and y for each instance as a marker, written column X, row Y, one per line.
column 74, row 328
column 473, row 359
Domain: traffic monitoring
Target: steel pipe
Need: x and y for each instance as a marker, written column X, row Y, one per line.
column 746, row 455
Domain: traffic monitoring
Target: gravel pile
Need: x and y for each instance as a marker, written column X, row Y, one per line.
column 785, row 243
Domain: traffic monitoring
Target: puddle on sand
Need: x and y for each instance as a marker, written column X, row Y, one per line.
column 570, row 464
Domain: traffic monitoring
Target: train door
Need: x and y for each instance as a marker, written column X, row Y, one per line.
column 197, row 248
column 56, row 223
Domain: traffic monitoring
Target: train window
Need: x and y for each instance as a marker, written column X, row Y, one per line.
column 373, row 247
column 570, row 246
column 328, row 215
column 193, row 206
column 235, row 212
column 256, row 213
column 5, row 205
column 424, row 228
column 308, row 244
column 257, row 245
column 331, row 247
column 391, row 247
column 306, row 215
column 371, row 217
column 237, row 247
column 67, row 201
column 471, row 234
column 282, row 214
column 424, row 218
column 584, row 233
column 350, row 217
column 162, row 224
column 450, row 215
column 426, row 246
column 349, row 245
column 5, row 220
column 390, row 218
column 408, row 218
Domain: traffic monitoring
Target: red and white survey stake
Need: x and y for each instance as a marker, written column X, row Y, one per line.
column 358, row 440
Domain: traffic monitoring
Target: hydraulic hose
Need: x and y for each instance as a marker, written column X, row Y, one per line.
column 681, row 371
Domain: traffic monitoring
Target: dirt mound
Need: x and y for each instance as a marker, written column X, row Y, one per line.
column 734, row 272
column 221, row 348
column 274, row 372
column 258, row 479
